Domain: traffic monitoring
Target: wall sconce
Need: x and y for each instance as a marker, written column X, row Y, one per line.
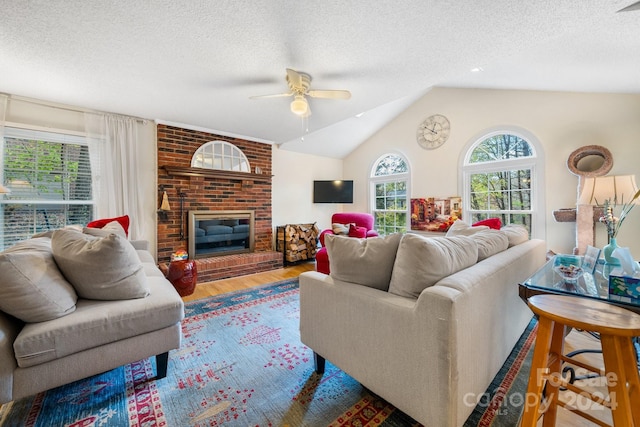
column 163, row 212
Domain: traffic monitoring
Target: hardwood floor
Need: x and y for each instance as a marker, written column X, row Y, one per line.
column 575, row 339
column 243, row 282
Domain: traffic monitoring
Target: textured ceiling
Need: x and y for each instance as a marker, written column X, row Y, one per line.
column 197, row 62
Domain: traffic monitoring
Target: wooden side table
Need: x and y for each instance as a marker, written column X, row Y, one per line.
column 183, row 275
column 616, row 327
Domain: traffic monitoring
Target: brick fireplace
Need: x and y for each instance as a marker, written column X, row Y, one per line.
column 214, row 192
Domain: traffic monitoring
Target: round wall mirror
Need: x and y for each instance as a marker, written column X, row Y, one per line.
column 590, row 161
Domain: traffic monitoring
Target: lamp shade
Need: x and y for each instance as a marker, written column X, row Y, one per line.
column 4, row 190
column 618, row 189
column 299, row 105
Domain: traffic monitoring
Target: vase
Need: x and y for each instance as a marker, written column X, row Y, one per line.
column 608, row 250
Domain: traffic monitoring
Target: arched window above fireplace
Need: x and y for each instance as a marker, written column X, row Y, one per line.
column 220, row 155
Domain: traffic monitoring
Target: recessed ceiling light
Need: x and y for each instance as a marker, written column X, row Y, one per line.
column 477, row 70
column 359, row 115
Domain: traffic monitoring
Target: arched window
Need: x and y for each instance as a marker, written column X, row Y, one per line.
column 220, row 155
column 389, row 183
column 503, row 177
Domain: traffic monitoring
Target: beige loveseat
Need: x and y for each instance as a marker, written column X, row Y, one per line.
column 83, row 336
column 424, row 332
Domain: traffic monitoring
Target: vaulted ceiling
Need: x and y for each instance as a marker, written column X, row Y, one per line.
column 198, row 62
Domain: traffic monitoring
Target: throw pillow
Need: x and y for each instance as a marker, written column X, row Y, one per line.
column 461, row 228
column 101, row 268
column 494, row 223
column 113, row 227
column 490, row 242
column 340, row 229
column 366, row 262
column 123, row 220
column 422, row 261
column 516, row 233
column 355, row 231
column 32, row 288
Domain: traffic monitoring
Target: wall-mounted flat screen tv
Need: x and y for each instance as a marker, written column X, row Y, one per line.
column 332, row 191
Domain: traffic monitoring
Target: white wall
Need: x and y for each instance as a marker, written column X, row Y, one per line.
column 562, row 122
column 60, row 118
column 292, row 191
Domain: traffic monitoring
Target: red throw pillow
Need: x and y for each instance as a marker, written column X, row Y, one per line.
column 123, row 220
column 494, row 223
column 355, row 231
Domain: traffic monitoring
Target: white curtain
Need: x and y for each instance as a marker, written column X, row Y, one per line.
column 113, row 147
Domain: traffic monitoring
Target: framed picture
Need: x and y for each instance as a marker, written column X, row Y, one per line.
column 590, row 259
column 435, row 214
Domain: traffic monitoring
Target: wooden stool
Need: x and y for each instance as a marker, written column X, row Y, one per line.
column 616, row 327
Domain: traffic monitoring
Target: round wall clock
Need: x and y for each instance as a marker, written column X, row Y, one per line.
column 433, row 132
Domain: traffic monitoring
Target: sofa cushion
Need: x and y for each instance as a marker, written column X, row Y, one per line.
column 490, row 242
column 123, row 220
column 461, row 228
column 32, row 287
column 423, row 261
column 104, row 268
column 516, row 233
column 366, row 262
column 96, row 323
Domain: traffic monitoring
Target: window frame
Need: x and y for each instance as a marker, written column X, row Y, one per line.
column 226, row 159
column 395, row 177
column 535, row 163
column 34, row 204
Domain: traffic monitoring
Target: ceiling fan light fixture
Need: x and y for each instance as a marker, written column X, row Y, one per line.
column 299, row 105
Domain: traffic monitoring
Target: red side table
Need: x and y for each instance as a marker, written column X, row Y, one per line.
column 183, row 276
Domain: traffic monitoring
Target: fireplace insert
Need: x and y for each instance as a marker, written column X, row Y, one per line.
column 216, row 233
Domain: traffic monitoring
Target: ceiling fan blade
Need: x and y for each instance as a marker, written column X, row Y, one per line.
column 294, row 78
column 332, row 94
column 634, row 6
column 277, row 95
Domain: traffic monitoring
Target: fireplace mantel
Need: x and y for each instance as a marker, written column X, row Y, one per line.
column 215, row 174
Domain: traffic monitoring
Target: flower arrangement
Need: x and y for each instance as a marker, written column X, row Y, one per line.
column 612, row 222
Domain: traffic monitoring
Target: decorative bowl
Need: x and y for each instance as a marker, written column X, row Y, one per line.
column 569, row 273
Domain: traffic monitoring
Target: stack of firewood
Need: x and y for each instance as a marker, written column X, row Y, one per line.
column 300, row 241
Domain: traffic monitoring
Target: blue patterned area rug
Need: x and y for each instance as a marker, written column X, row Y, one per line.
column 241, row 363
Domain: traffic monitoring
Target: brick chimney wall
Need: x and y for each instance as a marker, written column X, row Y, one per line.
column 176, row 147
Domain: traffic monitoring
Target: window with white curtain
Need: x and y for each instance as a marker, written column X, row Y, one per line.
column 220, row 155
column 49, row 175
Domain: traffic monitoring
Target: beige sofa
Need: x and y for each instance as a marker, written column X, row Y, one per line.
column 431, row 354
column 92, row 336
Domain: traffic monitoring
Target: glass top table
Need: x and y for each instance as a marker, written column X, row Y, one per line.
column 547, row 280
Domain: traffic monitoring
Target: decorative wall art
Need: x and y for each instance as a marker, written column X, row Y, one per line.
column 435, row 214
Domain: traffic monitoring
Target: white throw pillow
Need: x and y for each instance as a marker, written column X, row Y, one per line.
column 32, row 288
column 340, row 229
column 422, row 261
column 113, row 227
column 461, row 228
column 490, row 242
column 101, row 268
column 516, row 233
column 366, row 262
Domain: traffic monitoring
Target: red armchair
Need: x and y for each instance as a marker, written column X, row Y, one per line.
column 361, row 220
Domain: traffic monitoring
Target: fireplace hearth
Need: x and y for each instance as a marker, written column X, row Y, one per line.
column 217, row 233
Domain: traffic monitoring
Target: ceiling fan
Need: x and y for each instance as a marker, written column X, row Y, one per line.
column 299, row 83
